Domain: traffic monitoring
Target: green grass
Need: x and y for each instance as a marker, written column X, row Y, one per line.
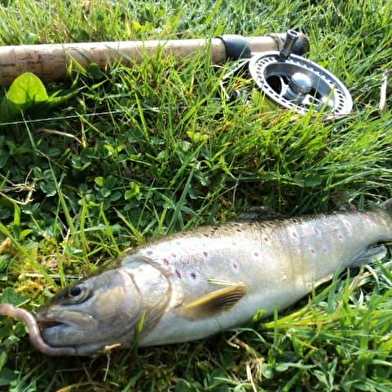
column 144, row 151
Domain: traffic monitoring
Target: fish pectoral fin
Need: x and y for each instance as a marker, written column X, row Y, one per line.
column 213, row 303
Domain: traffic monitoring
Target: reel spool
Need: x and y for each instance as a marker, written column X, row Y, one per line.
column 289, row 81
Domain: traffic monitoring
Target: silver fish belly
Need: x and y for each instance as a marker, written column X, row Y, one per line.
column 193, row 284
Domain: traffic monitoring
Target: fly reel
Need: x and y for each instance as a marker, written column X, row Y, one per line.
column 289, row 81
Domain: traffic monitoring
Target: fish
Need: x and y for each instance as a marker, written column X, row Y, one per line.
column 196, row 283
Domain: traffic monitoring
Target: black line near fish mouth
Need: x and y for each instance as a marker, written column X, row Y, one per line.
column 48, row 323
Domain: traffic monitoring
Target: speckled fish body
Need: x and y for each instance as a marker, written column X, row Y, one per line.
column 193, row 284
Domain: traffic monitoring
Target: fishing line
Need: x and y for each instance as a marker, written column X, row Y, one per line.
column 88, row 115
column 67, row 117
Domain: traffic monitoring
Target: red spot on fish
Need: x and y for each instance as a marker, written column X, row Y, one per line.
column 312, row 251
column 294, row 234
column 205, row 254
column 238, row 230
column 340, row 237
column 257, row 254
column 234, row 265
column 193, row 275
column 347, row 224
column 178, row 273
column 166, row 262
column 266, row 239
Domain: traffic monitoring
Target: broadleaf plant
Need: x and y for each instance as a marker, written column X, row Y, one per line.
column 27, row 95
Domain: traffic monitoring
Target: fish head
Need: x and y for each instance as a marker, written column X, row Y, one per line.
column 103, row 311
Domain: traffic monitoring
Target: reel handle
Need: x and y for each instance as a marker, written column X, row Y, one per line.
column 288, row 47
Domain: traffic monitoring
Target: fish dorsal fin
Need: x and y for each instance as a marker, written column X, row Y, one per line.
column 257, row 214
column 213, row 303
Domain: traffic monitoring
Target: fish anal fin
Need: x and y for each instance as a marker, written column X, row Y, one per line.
column 369, row 255
column 213, row 303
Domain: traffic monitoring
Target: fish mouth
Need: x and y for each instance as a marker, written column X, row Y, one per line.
column 67, row 327
column 71, row 319
column 52, row 331
column 78, row 332
column 48, row 323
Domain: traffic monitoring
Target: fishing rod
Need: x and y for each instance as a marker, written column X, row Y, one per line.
column 272, row 66
column 51, row 61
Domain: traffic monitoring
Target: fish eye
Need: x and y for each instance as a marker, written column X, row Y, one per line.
column 75, row 291
column 76, row 294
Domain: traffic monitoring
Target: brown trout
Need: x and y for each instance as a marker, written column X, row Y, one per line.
column 196, row 283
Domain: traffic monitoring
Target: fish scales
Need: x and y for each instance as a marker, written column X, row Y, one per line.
column 193, row 284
